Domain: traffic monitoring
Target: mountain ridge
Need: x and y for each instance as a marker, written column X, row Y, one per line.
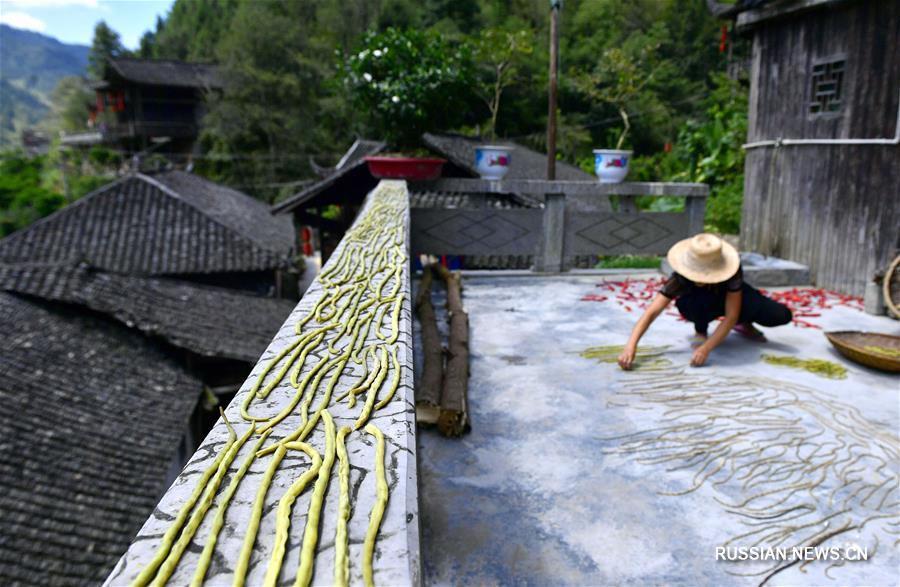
column 31, row 64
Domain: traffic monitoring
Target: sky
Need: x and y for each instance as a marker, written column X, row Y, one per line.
column 72, row 21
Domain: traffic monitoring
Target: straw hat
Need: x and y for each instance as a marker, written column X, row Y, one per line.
column 704, row 258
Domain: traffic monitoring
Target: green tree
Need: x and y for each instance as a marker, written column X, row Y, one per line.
column 106, row 45
column 194, row 29
column 409, row 82
column 499, row 55
column 619, row 79
column 22, row 197
column 267, row 122
column 71, row 102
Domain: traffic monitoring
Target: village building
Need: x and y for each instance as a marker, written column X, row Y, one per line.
column 142, row 103
column 344, row 187
column 130, row 316
column 822, row 163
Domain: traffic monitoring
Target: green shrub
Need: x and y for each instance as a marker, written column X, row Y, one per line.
column 410, row 82
column 706, row 151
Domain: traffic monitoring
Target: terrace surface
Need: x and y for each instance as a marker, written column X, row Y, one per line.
column 539, row 492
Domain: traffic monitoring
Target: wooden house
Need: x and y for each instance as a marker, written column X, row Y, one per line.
column 140, row 102
column 822, row 170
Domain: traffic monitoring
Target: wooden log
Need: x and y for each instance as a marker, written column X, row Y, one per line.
column 428, row 392
column 454, row 418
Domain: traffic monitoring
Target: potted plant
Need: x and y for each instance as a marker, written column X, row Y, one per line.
column 617, row 80
column 408, row 81
column 499, row 54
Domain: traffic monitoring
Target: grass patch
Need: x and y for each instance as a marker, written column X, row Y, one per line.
column 628, row 262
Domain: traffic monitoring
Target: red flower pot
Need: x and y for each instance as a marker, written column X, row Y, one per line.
column 409, row 168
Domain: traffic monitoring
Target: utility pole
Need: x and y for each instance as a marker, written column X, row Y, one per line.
column 555, row 5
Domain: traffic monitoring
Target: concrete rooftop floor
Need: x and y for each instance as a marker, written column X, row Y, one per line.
column 534, row 495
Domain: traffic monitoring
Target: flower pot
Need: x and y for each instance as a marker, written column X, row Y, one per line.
column 409, row 168
column 611, row 165
column 492, row 162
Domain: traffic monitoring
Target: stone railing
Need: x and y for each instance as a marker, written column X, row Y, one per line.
column 253, row 506
column 576, row 219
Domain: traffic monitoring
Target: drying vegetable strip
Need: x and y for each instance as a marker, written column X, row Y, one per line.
column 169, row 537
column 358, row 290
column 283, row 517
column 168, row 566
column 381, row 498
column 311, row 531
column 341, row 546
column 395, row 382
column 219, row 520
column 883, row 350
column 243, row 563
column 816, row 366
column 372, row 393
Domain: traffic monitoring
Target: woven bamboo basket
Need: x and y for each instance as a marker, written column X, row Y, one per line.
column 852, row 345
column 891, row 287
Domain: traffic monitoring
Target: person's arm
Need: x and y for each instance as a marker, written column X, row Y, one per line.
column 659, row 303
column 732, row 312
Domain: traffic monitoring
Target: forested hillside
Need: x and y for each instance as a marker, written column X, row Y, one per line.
column 288, row 99
column 31, row 65
column 300, row 85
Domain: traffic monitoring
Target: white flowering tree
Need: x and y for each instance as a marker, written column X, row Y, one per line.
column 409, row 82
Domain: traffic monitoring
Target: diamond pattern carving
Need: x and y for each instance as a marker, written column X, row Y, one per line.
column 615, row 231
column 464, row 230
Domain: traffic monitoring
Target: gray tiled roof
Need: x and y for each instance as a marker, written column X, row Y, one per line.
column 243, row 214
column 446, row 200
column 359, row 149
column 209, row 321
column 161, row 72
column 351, row 166
column 525, row 163
column 167, row 224
column 92, row 417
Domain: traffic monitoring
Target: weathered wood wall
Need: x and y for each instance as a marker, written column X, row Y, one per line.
column 835, row 208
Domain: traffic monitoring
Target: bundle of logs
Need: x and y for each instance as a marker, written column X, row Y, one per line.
column 442, row 396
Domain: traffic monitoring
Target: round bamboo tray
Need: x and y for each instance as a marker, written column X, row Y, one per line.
column 852, row 345
column 892, row 287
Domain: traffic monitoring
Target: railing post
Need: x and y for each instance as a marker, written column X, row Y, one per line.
column 550, row 259
column 695, row 208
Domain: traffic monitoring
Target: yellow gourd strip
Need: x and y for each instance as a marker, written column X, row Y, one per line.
column 219, row 520
column 169, row 537
column 341, row 543
column 243, row 562
column 395, row 381
column 372, row 393
column 379, row 320
column 366, row 380
column 283, row 516
column 311, row 532
column 171, row 562
column 395, row 320
column 301, row 391
column 381, row 498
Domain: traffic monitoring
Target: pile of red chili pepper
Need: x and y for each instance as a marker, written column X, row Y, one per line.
column 631, row 294
column 805, row 303
column 808, row 302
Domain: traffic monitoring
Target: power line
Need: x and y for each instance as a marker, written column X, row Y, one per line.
column 605, row 121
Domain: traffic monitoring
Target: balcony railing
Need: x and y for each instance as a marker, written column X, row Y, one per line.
column 278, row 498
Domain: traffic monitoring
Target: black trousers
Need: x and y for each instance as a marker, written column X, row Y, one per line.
column 703, row 305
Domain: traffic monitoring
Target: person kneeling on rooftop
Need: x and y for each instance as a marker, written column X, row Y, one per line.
column 707, row 283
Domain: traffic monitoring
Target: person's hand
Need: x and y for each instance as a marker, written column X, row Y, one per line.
column 626, row 358
column 699, row 357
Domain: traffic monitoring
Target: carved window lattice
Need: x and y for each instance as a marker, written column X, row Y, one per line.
column 827, row 87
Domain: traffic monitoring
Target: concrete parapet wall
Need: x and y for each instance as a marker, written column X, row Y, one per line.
column 371, row 261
